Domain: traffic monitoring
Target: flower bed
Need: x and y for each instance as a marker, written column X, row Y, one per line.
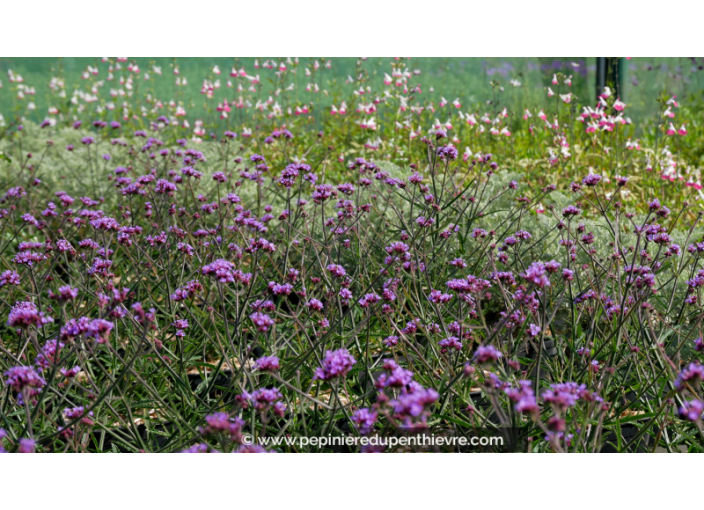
column 169, row 298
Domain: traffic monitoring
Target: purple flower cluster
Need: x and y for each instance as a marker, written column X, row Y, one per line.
column 267, row 364
column 23, row 380
column 262, row 321
column 25, row 314
column 364, row 419
column 691, row 375
column 487, row 354
column 523, row 398
column 413, row 402
column 536, row 274
column 591, row 180
column 336, row 270
column 692, row 410
column 335, row 364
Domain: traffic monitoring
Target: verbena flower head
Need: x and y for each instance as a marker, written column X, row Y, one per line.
column 487, row 354
column 219, row 177
column 450, row 344
column 564, row 395
column 25, row 314
column 692, row 410
column 261, row 321
column 280, row 289
column 9, row 278
column 24, row 379
column 74, row 413
column 48, row 355
column 65, row 294
column 336, row 270
column 395, row 376
column 692, row 375
column 315, row 304
column 27, row 445
column 368, row 300
column 196, row 448
column 180, row 325
column 536, row 274
column 448, row 152
column 570, row 211
column 591, row 180
column 414, row 402
column 267, row 364
column 99, row 330
column 364, row 419
column 524, row 398
column 335, row 364
column 221, row 269
column 188, row 291
column 266, row 398
column 391, row 341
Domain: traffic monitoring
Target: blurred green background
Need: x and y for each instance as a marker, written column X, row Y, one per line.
column 468, row 79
